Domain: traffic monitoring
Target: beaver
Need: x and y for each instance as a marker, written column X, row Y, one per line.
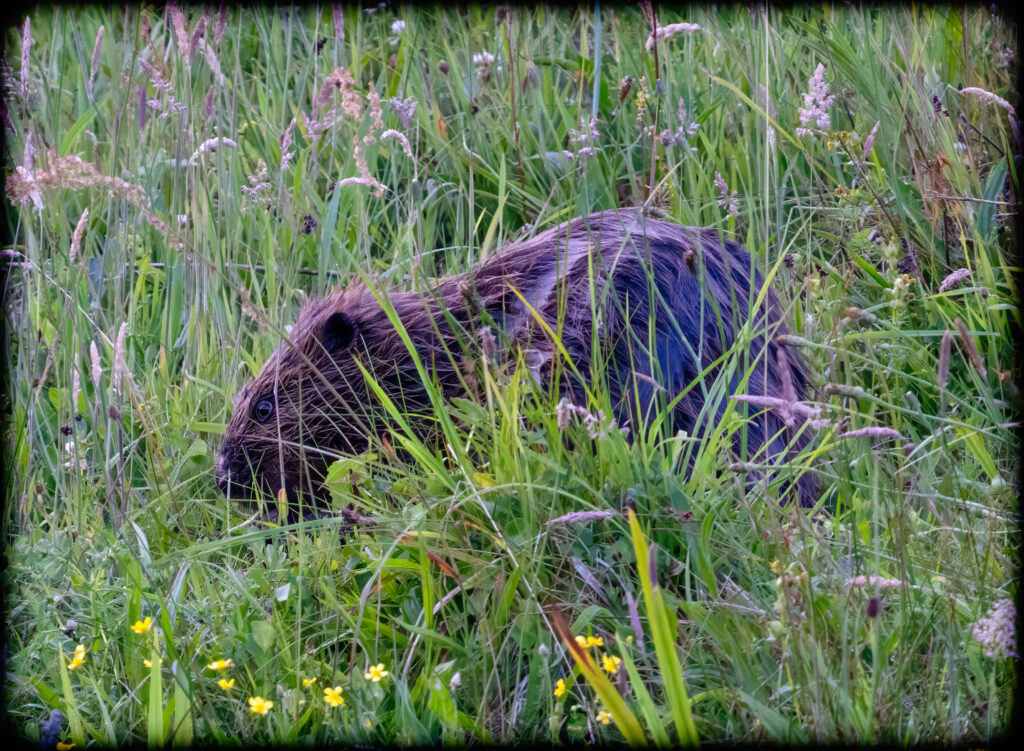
column 655, row 304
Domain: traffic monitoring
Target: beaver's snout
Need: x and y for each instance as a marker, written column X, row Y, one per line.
column 229, row 472
column 248, row 475
column 239, row 475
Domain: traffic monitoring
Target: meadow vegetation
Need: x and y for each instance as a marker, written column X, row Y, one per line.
column 180, row 180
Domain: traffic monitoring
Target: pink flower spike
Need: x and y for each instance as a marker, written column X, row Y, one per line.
column 870, row 142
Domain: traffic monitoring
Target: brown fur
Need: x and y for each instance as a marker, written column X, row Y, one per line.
column 631, row 279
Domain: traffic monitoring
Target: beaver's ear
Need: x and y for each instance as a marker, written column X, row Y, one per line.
column 338, row 332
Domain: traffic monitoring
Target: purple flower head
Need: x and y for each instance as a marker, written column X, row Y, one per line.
column 816, row 105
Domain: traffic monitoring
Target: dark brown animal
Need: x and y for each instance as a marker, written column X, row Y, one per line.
column 655, row 305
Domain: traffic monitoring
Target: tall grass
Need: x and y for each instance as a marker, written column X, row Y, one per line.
column 213, row 181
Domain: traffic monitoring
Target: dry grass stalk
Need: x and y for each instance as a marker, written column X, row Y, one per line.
column 584, row 517
column 76, row 238
column 944, row 347
column 95, row 59
column 74, row 173
column 972, row 349
column 873, row 432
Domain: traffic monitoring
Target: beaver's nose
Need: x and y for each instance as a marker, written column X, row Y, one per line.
column 221, row 474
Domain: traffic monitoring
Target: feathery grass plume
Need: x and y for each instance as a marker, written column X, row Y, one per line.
column 844, row 390
column 593, row 422
column 874, row 432
column 786, row 409
column 258, row 189
column 996, row 630
column 404, row 108
column 670, row 30
column 74, row 173
column 729, row 203
column 819, row 424
column 338, row 19
column 76, row 238
column 222, row 24
column 285, row 142
column 972, row 350
column 95, row 59
column 406, row 148
column 340, row 80
column 587, row 135
column 156, row 77
column 211, row 60
column 563, row 413
column 873, row 581
column 97, row 371
column 120, row 368
column 180, row 32
column 816, row 105
column 685, row 129
column 944, row 347
column 210, row 144
column 364, row 178
column 76, row 389
column 584, row 517
column 197, row 33
column 29, row 154
column 26, row 47
column 869, row 143
column 953, row 279
column 989, row 97
column 376, row 117
column 29, row 186
column 625, row 86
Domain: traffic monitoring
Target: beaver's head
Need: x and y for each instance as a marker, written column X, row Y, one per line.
column 307, row 406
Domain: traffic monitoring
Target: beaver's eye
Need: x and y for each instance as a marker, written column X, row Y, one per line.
column 263, row 410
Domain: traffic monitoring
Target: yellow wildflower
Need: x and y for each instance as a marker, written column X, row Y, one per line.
column 226, row 684
column 64, row 746
column 610, row 663
column 595, row 641
column 79, row 658
column 141, row 627
column 333, row 696
column 376, row 672
column 603, row 717
column 148, row 664
column 220, row 664
column 259, row 705
column 560, row 689
column 368, row 724
column 307, row 682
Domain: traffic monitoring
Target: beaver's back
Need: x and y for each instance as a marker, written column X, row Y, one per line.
column 666, row 302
